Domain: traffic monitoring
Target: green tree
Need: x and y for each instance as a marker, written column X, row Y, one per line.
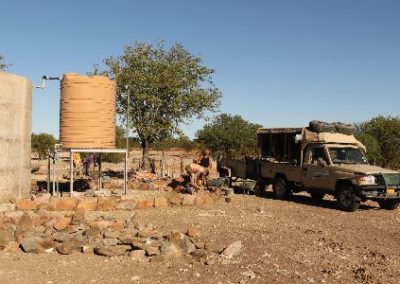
column 3, row 65
column 166, row 87
column 229, row 135
column 381, row 136
column 41, row 143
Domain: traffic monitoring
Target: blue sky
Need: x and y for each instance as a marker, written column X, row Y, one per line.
column 278, row 63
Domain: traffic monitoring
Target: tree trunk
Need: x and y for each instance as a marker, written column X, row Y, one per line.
column 145, row 165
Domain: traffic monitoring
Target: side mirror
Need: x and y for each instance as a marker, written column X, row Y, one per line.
column 321, row 162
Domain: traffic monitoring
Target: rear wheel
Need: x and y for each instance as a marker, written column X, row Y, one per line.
column 280, row 188
column 317, row 195
column 347, row 199
column 389, row 204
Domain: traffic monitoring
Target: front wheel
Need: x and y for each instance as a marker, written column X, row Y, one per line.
column 347, row 199
column 389, row 204
column 280, row 189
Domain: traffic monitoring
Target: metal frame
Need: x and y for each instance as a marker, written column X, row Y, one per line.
column 95, row 150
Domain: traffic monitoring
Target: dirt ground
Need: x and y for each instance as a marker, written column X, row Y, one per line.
column 296, row 241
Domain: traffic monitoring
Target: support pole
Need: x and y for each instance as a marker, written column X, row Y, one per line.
column 71, row 176
column 54, row 174
column 48, row 175
column 126, row 172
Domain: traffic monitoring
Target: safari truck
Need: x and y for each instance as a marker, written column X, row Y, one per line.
column 321, row 159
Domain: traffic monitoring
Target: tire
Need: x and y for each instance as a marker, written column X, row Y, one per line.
column 345, row 128
column 317, row 195
column 389, row 204
column 347, row 199
column 280, row 189
column 321, row 126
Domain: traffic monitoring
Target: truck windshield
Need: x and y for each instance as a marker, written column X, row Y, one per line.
column 346, row 155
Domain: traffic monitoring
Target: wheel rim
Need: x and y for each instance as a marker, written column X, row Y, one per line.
column 346, row 198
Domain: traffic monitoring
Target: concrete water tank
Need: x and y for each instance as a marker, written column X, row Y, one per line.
column 87, row 112
column 15, row 136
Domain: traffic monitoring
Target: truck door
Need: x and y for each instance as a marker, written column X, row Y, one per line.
column 316, row 169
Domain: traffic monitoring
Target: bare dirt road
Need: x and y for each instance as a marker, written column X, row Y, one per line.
column 297, row 241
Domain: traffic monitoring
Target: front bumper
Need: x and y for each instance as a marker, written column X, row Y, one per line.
column 378, row 192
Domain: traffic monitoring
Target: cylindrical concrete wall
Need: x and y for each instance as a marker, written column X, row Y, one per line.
column 87, row 112
column 15, row 136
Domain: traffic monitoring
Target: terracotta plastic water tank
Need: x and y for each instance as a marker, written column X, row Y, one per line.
column 87, row 112
column 15, row 136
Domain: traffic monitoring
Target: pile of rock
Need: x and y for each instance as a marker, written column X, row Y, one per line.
column 103, row 235
column 117, row 202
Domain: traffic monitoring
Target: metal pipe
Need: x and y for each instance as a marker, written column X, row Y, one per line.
column 71, row 176
column 54, row 175
column 44, row 79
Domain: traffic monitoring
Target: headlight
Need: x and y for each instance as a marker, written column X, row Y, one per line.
column 365, row 180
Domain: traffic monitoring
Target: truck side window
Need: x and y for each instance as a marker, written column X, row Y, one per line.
column 318, row 153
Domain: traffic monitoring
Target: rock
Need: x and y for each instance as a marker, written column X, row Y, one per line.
column 181, row 241
column 144, row 203
column 138, row 255
column 160, row 202
column 175, row 198
column 127, row 205
column 112, row 234
column 147, row 232
column 188, row 200
column 108, row 203
column 234, row 249
column 200, row 199
column 79, row 217
column 6, row 236
column 60, row 237
column 101, row 224
column 152, row 250
column 89, row 248
column 193, row 232
column 117, row 225
column 112, row 251
column 66, row 248
column 42, row 200
column 87, row 204
column 32, row 245
column 25, row 223
column 11, row 247
column 71, row 229
column 64, row 203
column 110, row 242
column 62, row 223
column 25, row 204
column 92, row 232
column 126, row 238
column 170, row 250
